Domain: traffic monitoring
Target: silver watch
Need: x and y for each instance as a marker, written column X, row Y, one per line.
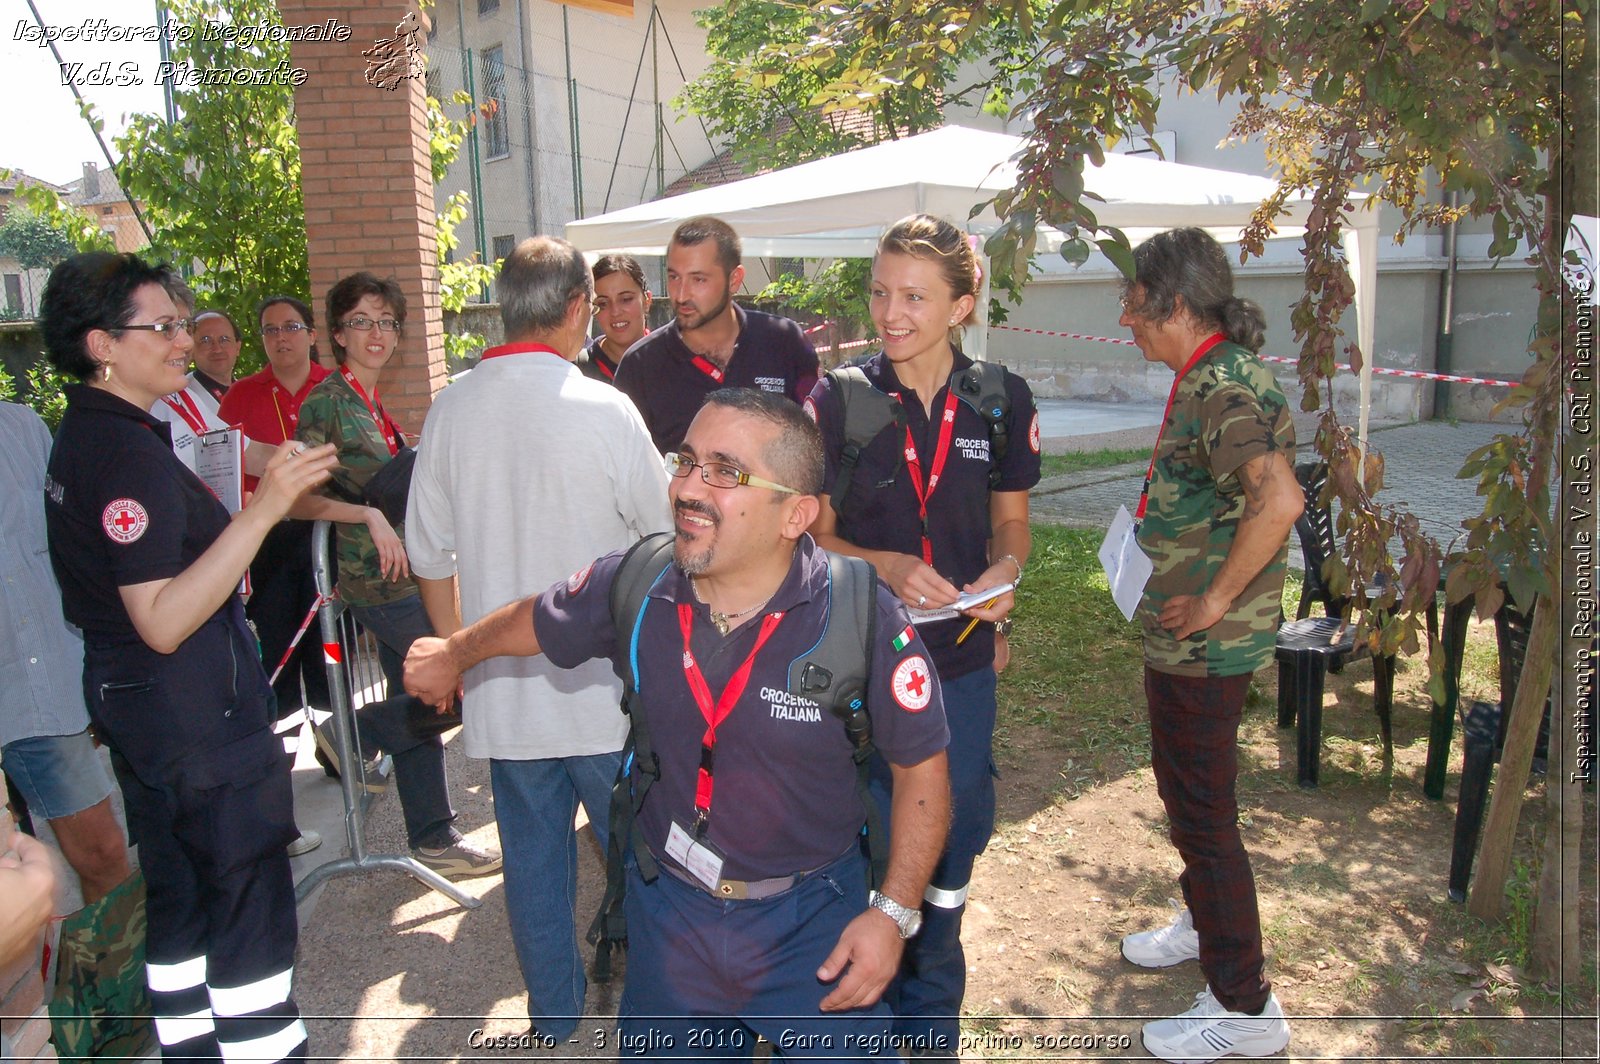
column 909, row 921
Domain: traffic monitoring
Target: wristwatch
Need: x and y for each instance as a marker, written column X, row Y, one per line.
column 909, row 921
column 1003, row 626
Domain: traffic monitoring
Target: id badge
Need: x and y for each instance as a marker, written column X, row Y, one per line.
column 1127, row 566
column 694, row 856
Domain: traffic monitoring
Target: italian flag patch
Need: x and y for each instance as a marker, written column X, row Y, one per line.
column 903, row 640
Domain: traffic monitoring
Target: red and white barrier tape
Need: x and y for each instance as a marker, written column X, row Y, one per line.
column 1068, row 335
column 1412, row 374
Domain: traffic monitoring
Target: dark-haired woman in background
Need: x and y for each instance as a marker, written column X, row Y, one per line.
column 621, row 309
column 365, row 317
column 149, row 564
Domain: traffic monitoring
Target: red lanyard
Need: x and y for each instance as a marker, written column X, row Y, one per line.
column 380, row 417
column 1200, row 352
column 715, row 714
column 947, row 425
column 519, row 349
column 184, row 404
column 600, row 363
column 708, row 367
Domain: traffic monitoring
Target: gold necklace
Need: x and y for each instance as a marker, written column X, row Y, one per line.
column 724, row 621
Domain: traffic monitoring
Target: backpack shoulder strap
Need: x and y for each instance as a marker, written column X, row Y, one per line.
column 982, row 386
column 867, row 412
column 833, row 673
column 641, row 567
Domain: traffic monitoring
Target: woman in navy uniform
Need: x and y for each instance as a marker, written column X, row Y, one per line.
column 939, row 511
column 621, row 309
column 149, row 566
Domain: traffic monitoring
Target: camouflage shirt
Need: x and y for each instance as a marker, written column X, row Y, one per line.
column 1228, row 410
column 334, row 413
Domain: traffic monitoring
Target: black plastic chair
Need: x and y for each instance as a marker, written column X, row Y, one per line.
column 1311, row 647
column 1483, row 729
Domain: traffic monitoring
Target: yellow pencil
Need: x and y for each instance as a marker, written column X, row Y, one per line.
column 962, row 638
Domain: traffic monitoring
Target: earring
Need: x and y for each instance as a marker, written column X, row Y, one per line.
column 105, row 372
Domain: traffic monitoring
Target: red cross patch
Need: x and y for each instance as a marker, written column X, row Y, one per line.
column 913, row 684
column 576, row 581
column 1033, row 433
column 124, row 520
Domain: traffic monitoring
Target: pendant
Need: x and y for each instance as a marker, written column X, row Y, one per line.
column 720, row 620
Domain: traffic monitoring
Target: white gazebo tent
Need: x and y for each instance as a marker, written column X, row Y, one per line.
column 836, row 208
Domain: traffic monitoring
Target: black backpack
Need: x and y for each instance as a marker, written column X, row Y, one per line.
column 833, row 673
column 867, row 412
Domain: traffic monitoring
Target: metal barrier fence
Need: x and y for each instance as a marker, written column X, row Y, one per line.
column 354, row 679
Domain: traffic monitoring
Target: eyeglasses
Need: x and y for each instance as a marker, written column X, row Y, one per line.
column 169, row 329
column 388, row 325
column 288, row 329
column 720, row 474
column 217, row 341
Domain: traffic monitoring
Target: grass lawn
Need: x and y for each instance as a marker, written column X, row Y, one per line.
column 1055, row 465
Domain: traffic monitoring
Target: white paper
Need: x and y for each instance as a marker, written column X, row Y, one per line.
column 1126, row 565
column 219, row 461
column 971, row 600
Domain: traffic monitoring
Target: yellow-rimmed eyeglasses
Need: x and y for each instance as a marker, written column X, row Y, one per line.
column 720, row 474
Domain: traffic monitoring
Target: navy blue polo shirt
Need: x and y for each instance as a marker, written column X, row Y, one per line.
column 881, row 507
column 660, row 374
column 785, row 797
column 120, row 509
column 593, row 363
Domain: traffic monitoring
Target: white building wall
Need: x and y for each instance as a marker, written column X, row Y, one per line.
column 1495, row 304
column 623, row 76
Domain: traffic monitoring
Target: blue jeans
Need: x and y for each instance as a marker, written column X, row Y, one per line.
column 926, row 995
column 407, row 728
column 58, row 775
column 535, row 803
column 707, row 974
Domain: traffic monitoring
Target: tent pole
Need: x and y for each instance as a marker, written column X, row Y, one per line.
column 980, row 334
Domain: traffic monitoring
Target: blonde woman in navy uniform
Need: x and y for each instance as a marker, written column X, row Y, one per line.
column 149, row 566
column 923, row 508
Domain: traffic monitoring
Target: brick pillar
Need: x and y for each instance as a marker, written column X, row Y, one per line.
column 367, row 178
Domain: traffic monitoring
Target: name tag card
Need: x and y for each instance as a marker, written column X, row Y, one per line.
column 696, row 857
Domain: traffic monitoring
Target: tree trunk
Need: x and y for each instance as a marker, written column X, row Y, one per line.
column 1553, row 949
column 1505, row 808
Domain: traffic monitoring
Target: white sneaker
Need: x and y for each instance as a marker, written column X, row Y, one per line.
column 307, row 841
column 1209, row 1031
column 1165, row 946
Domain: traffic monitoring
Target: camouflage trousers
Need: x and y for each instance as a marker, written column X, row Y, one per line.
column 101, row 1007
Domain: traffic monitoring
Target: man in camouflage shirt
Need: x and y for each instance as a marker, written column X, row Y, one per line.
column 1222, row 499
